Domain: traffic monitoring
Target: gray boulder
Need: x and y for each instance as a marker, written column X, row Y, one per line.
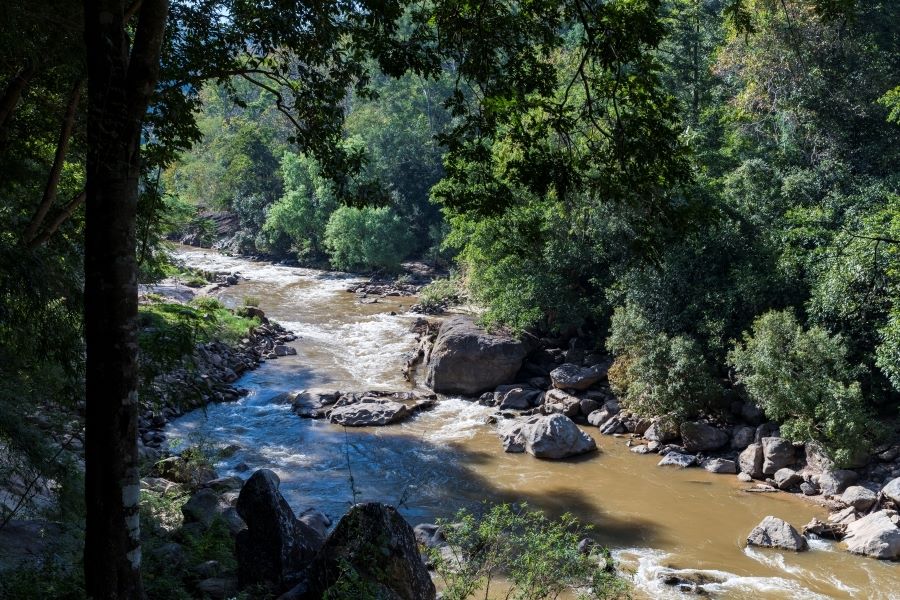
column 368, row 412
column 517, row 397
column 573, row 377
column 892, row 491
column 558, row 401
column 875, row 535
column 677, row 459
column 835, row 482
column 777, row 454
column 750, row 461
column 720, row 465
column 556, row 436
column 773, row 532
column 742, row 436
column 787, row 478
column 276, row 546
column 468, row 360
column 378, row 547
column 859, row 498
column 662, row 431
column 700, row 437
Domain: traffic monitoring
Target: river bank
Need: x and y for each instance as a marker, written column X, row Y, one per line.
column 655, row 519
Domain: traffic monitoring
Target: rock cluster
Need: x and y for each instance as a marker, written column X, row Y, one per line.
column 360, row 409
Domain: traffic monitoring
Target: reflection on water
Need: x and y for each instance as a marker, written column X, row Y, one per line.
column 656, row 519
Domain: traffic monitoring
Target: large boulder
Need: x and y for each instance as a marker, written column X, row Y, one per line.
column 742, row 436
column 573, row 377
column 677, row 459
column 892, row 491
column 773, row 532
column 517, row 397
column 875, row 535
column 558, row 401
column 720, row 465
column 555, row 436
column 369, row 411
column 787, row 478
column 835, row 482
column 860, row 498
column 468, row 360
column 373, row 547
column 276, row 546
column 700, row 437
column 750, row 461
column 778, row 453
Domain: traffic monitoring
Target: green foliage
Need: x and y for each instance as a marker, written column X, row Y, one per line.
column 298, row 219
column 367, row 238
column 802, row 379
column 251, row 301
column 657, row 374
column 535, row 556
column 441, row 293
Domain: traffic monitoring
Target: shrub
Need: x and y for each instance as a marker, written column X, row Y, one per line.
column 656, row 374
column 537, row 556
column 367, row 238
column 251, row 301
column 441, row 293
column 802, row 379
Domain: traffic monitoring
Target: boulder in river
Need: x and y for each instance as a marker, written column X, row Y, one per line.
column 876, row 535
column 835, row 482
column 375, row 547
column 468, row 360
column 574, row 377
column 787, row 478
column 369, row 411
column 773, row 532
column 276, row 546
column 720, row 465
column 553, row 436
column 662, row 431
column 777, row 454
column 517, row 397
column 558, row 401
column 678, row 459
column 700, row 437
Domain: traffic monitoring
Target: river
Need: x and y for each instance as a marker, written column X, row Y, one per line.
column 448, row 458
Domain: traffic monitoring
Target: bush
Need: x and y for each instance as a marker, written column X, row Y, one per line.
column 656, row 374
column 537, row 556
column 251, row 301
column 441, row 293
column 367, row 238
column 802, row 379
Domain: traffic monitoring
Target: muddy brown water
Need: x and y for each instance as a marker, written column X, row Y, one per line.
column 653, row 518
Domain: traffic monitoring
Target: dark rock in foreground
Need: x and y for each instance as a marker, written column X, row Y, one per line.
column 374, row 550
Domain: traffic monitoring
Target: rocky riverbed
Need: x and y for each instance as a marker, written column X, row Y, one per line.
column 670, row 525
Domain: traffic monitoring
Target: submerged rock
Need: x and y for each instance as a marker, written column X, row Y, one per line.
column 773, row 532
column 468, row 360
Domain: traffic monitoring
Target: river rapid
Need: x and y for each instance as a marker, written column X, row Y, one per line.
column 653, row 518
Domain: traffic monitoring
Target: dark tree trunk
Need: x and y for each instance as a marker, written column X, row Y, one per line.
column 120, row 82
column 13, row 91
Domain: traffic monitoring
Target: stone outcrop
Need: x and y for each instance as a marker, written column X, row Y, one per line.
column 876, row 535
column 276, row 546
column 376, row 547
column 773, row 532
column 468, row 360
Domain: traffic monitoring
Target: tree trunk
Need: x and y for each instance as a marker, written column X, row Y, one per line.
column 13, row 91
column 59, row 159
column 119, row 87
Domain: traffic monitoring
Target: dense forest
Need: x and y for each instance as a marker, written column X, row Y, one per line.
column 709, row 190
